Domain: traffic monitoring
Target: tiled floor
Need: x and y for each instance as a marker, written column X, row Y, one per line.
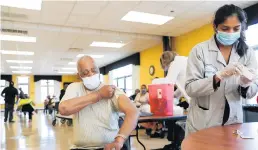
column 41, row 135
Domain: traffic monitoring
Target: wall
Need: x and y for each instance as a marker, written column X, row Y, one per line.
column 185, row 42
column 150, row 57
column 69, row 78
column 106, row 80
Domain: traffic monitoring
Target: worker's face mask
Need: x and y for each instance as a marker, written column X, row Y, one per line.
column 227, row 38
column 144, row 91
column 92, row 82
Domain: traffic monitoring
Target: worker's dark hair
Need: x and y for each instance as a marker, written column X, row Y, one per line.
column 226, row 11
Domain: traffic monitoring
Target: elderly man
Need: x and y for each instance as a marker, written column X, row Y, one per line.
column 95, row 109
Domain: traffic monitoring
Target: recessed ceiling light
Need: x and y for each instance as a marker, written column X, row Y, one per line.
column 65, row 72
column 26, row 4
column 69, row 68
column 20, row 61
column 107, row 44
column 142, row 17
column 20, row 67
column 22, row 72
column 93, row 56
column 17, row 38
column 16, row 52
column 72, row 63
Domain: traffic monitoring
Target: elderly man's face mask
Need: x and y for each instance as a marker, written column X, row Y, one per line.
column 90, row 78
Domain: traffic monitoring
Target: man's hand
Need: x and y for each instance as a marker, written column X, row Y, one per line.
column 114, row 146
column 107, row 91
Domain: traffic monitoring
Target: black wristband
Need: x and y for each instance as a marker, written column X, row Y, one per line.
column 215, row 84
column 243, row 91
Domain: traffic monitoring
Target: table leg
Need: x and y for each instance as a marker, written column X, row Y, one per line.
column 137, row 137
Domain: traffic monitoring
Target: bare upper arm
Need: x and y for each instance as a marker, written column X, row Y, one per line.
column 125, row 104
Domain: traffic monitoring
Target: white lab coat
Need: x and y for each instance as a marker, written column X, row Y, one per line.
column 143, row 102
column 176, row 75
column 204, row 61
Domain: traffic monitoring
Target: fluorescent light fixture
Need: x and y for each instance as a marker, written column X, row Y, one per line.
column 16, row 52
column 69, row 69
column 65, row 72
column 142, row 17
column 20, row 67
column 22, row 72
column 20, row 61
column 17, row 38
column 26, row 4
column 93, row 56
column 107, row 44
column 72, row 63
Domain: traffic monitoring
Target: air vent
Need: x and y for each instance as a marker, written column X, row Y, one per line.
column 66, row 59
column 75, row 50
column 14, row 31
column 14, row 15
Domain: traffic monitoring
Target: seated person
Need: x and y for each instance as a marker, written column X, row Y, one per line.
column 95, row 108
column 132, row 97
column 142, row 99
column 26, row 105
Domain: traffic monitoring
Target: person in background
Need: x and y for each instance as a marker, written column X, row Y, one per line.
column 21, row 94
column 27, row 105
column 9, row 94
column 96, row 107
column 46, row 101
column 132, row 97
column 62, row 92
column 51, row 104
column 215, row 74
column 142, row 99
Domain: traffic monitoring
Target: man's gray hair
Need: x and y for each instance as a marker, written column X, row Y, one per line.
column 86, row 58
column 166, row 58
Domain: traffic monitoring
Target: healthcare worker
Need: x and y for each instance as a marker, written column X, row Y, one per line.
column 215, row 79
column 175, row 66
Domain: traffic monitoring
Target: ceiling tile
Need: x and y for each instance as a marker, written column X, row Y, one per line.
column 149, row 7
column 88, row 7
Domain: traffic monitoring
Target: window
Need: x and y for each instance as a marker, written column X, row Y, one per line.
column 122, row 78
column 3, row 84
column 46, row 88
column 23, row 83
column 101, row 78
column 251, row 40
column 252, row 36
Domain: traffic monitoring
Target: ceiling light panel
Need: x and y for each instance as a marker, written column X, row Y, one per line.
column 20, row 61
column 93, row 56
column 21, row 67
column 9, row 52
column 22, row 72
column 141, row 17
column 25, row 4
column 16, row 38
column 107, row 44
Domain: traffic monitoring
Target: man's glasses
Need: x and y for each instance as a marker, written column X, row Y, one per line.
column 87, row 73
